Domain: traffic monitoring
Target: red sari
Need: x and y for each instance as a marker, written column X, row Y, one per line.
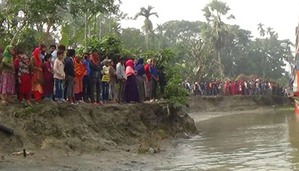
column 226, row 86
column 48, row 88
column 37, row 78
column 233, row 88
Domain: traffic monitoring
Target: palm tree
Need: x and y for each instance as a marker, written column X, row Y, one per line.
column 148, row 25
column 270, row 32
column 261, row 29
column 214, row 12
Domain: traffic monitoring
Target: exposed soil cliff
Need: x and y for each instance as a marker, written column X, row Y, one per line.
column 88, row 128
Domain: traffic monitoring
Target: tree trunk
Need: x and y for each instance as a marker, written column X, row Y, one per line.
column 85, row 34
column 221, row 73
column 100, row 29
column 264, row 70
column 220, row 66
column 15, row 36
column 147, row 46
column 46, row 38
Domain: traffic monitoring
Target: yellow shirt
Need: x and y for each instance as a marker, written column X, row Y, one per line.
column 106, row 75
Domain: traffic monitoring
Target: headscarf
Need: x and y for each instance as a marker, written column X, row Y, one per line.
column 36, row 55
column 94, row 60
column 7, row 56
column 129, row 68
column 79, row 68
column 139, row 67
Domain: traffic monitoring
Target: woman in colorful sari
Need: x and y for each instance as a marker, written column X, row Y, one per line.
column 131, row 90
column 37, row 78
column 8, row 77
column 80, row 71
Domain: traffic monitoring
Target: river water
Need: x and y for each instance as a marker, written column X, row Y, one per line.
column 268, row 141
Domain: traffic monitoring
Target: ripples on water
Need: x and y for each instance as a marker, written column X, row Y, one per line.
column 241, row 142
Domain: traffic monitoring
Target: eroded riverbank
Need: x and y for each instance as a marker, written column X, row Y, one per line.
column 185, row 154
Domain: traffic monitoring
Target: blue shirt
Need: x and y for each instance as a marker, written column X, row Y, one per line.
column 154, row 71
column 86, row 63
column 69, row 67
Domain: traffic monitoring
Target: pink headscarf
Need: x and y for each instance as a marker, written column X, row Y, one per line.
column 129, row 68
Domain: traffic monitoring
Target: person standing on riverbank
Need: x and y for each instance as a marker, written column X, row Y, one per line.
column 105, row 80
column 80, row 71
column 94, row 77
column 154, row 80
column 131, row 90
column 48, row 78
column 59, row 77
column 141, row 78
column 16, row 62
column 112, row 83
column 37, row 78
column 147, row 69
column 86, row 81
column 24, row 77
column 70, row 75
column 121, row 78
column 8, row 77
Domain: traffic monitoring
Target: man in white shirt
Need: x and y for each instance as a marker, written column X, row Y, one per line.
column 121, row 78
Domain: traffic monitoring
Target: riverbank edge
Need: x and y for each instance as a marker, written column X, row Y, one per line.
column 87, row 128
column 236, row 103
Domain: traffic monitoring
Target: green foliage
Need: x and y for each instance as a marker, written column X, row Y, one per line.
column 79, row 7
column 174, row 92
column 109, row 46
column 133, row 39
column 26, row 41
column 283, row 81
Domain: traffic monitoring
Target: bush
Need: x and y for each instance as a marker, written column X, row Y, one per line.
column 174, row 92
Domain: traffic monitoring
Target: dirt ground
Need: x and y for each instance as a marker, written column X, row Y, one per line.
column 87, row 137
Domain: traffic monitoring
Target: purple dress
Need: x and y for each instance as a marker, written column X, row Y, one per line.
column 131, row 90
column 48, row 80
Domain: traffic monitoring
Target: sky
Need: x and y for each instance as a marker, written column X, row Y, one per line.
column 281, row 15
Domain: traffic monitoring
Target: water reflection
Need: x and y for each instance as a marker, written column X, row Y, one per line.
column 293, row 122
column 242, row 142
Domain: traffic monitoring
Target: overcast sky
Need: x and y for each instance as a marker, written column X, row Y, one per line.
column 282, row 15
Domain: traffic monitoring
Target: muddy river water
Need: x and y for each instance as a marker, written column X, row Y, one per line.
column 266, row 141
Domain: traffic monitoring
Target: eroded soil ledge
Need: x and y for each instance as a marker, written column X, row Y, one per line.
column 89, row 128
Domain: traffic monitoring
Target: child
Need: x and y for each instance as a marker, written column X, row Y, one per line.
column 59, row 76
column 105, row 80
column 112, row 83
column 80, row 71
column 86, row 85
column 24, row 77
column 48, row 77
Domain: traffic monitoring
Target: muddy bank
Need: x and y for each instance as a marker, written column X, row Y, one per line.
column 235, row 103
column 90, row 129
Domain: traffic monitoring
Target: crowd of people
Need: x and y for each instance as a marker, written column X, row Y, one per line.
column 240, row 87
column 64, row 76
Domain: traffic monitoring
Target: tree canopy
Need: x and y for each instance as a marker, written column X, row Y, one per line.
column 199, row 50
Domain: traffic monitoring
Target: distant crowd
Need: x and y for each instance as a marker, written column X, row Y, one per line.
column 251, row 87
column 64, row 76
